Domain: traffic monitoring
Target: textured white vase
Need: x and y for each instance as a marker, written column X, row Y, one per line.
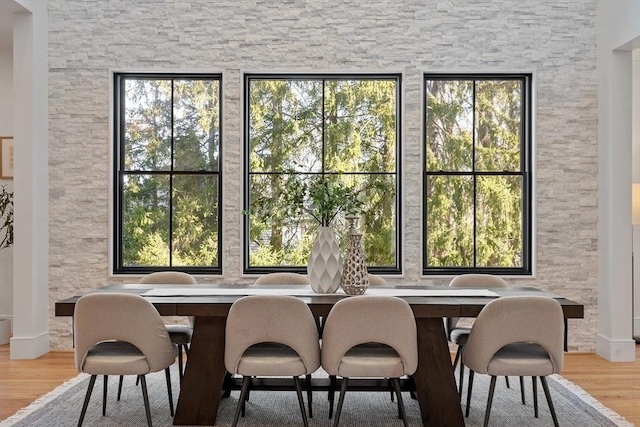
column 325, row 262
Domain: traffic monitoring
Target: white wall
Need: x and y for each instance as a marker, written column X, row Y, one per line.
column 6, row 129
column 618, row 32
column 31, row 180
column 6, row 92
column 635, row 172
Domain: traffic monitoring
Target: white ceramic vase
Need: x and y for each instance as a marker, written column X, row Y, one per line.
column 325, row 262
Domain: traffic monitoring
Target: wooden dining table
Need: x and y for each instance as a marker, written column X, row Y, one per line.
column 203, row 383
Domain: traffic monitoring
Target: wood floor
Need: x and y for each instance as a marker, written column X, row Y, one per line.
column 616, row 385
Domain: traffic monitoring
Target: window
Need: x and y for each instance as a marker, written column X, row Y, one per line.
column 167, row 173
column 477, row 174
column 305, row 129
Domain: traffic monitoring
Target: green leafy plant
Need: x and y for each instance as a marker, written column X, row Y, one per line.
column 6, row 217
column 327, row 199
column 322, row 198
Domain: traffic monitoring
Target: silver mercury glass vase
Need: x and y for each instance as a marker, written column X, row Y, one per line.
column 355, row 278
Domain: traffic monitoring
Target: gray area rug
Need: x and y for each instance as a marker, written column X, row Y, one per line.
column 62, row 407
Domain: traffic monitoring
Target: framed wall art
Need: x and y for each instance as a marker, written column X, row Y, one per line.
column 6, row 157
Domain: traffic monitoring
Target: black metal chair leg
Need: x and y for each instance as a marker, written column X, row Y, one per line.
column 241, row 400
column 87, row 397
column 506, row 380
column 343, row 391
column 246, row 398
column 120, row 386
column 469, row 390
column 487, row 412
column 226, row 385
column 145, row 396
column 180, row 369
column 461, row 381
column 309, row 394
column 332, row 393
column 105, row 379
column 535, row 396
column 522, row 390
column 296, row 383
column 403, row 415
column 167, row 374
column 547, row 394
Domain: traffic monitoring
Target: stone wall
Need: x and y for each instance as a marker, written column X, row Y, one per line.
column 555, row 40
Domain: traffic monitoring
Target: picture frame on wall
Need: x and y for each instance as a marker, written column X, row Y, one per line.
column 6, row 157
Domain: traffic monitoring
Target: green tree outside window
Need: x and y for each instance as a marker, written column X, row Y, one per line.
column 168, row 172
column 477, row 174
column 340, row 130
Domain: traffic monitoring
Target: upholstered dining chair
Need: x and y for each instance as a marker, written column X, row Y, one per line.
column 282, row 278
column 375, row 280
column 351, row 326
column 180, row 334
column 271, row 335
column 121, row 334
column 518, row 335
column 458, row 335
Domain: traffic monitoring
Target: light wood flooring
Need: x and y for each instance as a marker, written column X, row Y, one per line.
column 616, row 385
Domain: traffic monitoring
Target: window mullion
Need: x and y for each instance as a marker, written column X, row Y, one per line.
column 324, row 126
column 171, row 175
column 474, row 135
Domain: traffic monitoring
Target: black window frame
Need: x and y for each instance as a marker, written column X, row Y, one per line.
column 247, row 77
column 526, row 173
column 119, row 173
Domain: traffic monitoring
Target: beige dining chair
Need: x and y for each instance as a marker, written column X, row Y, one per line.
column 282, row 278
column 120, row 334
column 458, row 335
column 180, row 334
column 375, row 280
column 518, row 335
column 352, row 325
column 271, row 335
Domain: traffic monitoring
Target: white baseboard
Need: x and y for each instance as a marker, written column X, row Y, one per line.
column 616, row 350
column 29, row 347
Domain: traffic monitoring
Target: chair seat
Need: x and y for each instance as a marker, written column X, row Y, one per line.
column 371, row 360
column 459, row 336
column 521, row 359
column 271, row 359
column 115, row 358
column 180, row 334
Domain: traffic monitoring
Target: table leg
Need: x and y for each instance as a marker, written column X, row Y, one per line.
column 434, row 379
column 201, row 386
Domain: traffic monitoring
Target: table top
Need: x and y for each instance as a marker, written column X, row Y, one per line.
column 215, row 300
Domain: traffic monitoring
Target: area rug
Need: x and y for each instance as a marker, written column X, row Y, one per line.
column 61, row 407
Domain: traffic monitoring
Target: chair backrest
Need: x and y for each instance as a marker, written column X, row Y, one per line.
column 280, row 319
column 376, row 280
column 472, row 280
column 370, row 319
column 168, row 278
column 121, row 317
column 284, row 278
column 478, row 281
column 516, row 319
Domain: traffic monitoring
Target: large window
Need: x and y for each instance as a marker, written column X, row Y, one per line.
column 342, row 130
column 477, row 174
column 167, row 173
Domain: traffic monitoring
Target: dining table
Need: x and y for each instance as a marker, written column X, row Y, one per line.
column 205, row 381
